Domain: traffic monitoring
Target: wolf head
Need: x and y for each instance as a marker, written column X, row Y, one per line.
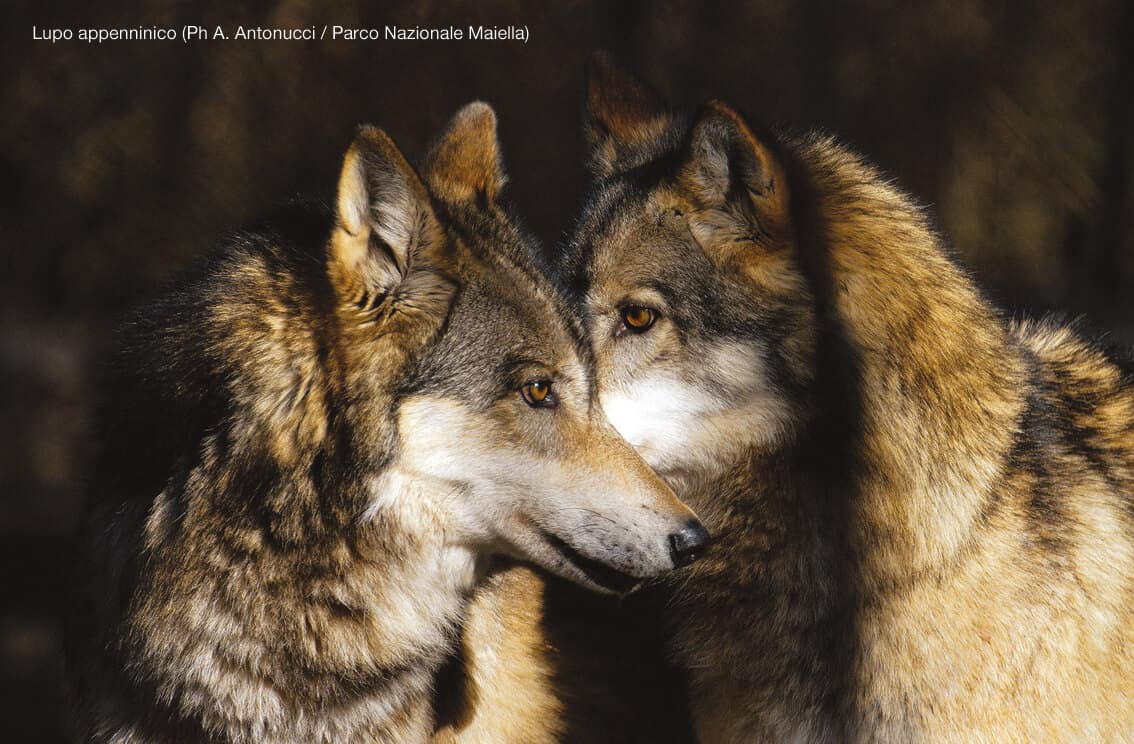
column 472, row 365
column 685, row 261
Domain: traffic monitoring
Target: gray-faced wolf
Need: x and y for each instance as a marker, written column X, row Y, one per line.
column 313, row 443
column 923, row 512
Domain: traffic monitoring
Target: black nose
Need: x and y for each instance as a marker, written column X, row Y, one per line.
column 687, row 545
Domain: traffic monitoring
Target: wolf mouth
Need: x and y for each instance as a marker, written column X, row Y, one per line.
column 598, row 572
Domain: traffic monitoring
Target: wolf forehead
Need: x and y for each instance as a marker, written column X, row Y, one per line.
column 506, row 310
column 504, row 329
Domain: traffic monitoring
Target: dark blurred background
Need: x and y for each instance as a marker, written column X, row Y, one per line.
column 1012, row 120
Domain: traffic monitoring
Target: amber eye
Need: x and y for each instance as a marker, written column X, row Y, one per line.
column 538, row 394
column 637, row 318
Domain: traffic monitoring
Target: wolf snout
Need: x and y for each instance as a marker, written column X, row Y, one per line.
column 689, row 543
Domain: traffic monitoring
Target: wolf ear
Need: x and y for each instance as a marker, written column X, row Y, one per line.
column 726, row 165
column 625, row 119
column 383, row 216
column 464, row 165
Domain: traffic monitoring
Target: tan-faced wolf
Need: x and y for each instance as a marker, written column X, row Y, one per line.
column 313, row 443
column 923, row 511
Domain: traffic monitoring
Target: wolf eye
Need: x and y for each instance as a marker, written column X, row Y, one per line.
column 638, row 319
column 537, row 394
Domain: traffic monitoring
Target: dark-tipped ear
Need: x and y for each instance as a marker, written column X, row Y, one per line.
column 625, row 119
column 383, row 216
column 726, row 164
column 464, row 165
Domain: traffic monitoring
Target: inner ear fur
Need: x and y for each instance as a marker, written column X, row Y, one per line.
column 464, row 165
column 727, row 168
column 384, row 219
column 625, row 120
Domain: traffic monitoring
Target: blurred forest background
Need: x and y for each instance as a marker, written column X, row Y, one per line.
column 125, row 160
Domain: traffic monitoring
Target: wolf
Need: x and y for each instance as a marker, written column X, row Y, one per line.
column 923, row 512
column 313, row 446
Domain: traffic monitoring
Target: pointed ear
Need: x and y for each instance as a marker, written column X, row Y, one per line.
column 726, row 167
column 383, row 217
column 464, row 165
column 625, row 119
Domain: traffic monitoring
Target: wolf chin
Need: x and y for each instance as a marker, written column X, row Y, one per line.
column 315, row 443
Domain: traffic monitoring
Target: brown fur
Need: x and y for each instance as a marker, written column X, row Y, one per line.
column 926, row 531
column 923, row 513
column 543, row 661
column 313, row 447
column 503, row 650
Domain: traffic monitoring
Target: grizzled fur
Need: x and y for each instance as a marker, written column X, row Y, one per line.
column 924, row 513
column 312, row 447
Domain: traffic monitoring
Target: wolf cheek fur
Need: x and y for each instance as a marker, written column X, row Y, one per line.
column 312, row 443
column 924, row 511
